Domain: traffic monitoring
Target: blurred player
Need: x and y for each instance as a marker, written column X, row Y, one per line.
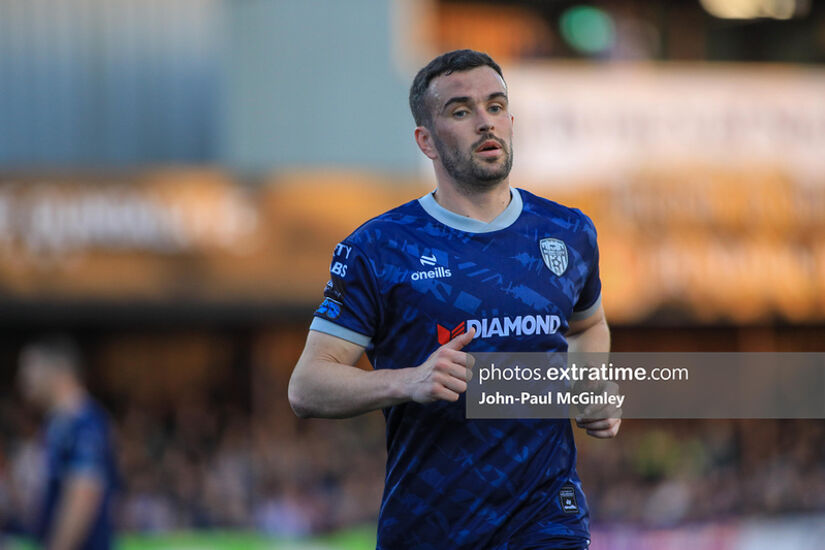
column 408, row 285
column 76, row 509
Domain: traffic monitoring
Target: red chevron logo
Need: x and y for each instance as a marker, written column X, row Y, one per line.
column 445, row 334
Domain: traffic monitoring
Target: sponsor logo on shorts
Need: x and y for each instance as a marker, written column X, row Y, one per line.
column 567, row 499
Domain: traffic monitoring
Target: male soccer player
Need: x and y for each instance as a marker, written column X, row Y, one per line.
column 81, row 475
column 404, row 287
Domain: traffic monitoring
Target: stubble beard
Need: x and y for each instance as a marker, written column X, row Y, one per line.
column 470, row 173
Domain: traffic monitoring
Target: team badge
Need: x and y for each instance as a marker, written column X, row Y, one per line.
column 554, row 253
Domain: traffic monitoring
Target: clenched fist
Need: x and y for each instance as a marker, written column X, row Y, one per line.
column 445, row 373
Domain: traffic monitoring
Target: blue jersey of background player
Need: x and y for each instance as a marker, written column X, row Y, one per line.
column 80, row 470
column 479, row 264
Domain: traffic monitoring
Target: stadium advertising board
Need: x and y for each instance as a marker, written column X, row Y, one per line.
column 703, row 245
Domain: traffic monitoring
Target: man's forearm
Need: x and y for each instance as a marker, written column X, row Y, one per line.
column 333, row 390
column 76, row 512
column 325, row 384
column 594, row 339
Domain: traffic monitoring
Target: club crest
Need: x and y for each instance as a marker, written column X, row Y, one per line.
column 554, row 253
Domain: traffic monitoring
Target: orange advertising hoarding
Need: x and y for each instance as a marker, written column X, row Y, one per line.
column 700, row 245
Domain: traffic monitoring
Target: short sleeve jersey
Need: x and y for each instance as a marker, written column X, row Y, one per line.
column 415, row 277
column 79, row 444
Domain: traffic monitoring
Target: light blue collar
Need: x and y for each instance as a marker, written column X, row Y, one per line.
column 470, row 225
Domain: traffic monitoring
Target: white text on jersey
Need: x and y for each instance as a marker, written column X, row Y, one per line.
column 518, row 326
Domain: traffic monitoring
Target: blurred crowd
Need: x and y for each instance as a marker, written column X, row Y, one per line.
column 665, row 473
column 197, row 465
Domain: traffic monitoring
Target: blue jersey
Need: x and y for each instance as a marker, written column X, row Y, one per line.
column 79, row 444
column 411, row 279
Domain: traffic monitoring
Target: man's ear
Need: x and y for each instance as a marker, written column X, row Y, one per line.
column 424, row 139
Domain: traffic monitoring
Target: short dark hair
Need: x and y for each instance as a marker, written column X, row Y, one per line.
column 60, row 350
column 448, row 63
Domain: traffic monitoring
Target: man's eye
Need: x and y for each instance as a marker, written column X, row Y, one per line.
column 496, row 108
column 459, row 114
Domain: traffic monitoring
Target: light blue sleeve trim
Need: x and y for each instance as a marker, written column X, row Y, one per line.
column 88, row 471
column 333, row 329
column 585, row 313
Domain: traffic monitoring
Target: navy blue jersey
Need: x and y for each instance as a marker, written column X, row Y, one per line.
column 79, row 444
column 411, row 279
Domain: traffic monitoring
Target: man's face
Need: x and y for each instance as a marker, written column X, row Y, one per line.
column 35, row 378
column 472, row 128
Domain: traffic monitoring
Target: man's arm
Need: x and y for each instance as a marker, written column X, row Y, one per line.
column 593, row 335
column 589, row 335
column 325, row 383
column 76, row 511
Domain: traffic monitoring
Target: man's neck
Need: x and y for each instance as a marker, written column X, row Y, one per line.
column 481, row 205
column 69, row 398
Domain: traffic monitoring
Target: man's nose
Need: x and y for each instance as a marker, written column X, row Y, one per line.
column 485, row 124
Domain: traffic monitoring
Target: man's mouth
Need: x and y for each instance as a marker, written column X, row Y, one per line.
column 489, row 148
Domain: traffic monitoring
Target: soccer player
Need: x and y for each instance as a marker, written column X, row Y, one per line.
column 410, row 287
column 81, row 475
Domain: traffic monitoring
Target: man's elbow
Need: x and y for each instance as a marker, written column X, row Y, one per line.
column 297, row 395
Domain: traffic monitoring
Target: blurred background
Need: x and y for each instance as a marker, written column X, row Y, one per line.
column 175, row 174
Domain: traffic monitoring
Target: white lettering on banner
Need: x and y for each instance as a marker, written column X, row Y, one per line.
column 53, row 219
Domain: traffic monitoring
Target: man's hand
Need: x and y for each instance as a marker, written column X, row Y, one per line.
column 601, row 428
column 601, row 421
column 445, row 373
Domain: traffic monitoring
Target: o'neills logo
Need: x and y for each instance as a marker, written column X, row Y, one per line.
column 435, row 273
column 521, row 325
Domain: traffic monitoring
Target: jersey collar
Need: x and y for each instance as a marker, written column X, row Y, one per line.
column 470, row 225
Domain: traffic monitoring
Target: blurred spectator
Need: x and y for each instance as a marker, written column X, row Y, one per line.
column 75, row 513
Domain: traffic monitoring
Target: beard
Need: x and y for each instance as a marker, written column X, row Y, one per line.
column 472, row 173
